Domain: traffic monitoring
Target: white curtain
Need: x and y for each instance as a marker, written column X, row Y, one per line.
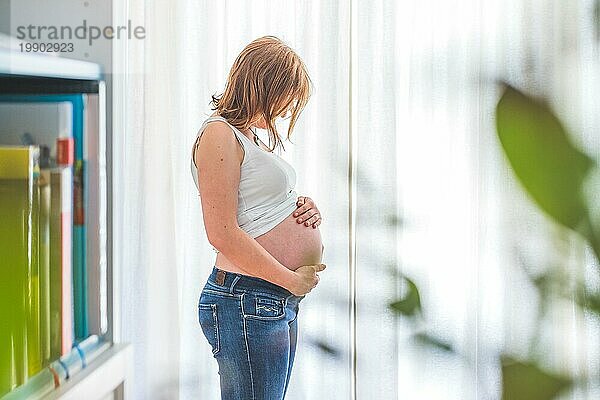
column 396, row 147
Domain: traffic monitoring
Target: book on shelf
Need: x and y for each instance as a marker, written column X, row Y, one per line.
column 61, row 242
column 95, row 188
column 44, row 258
column 30, row 112
column 19, row 171
column 59, row 292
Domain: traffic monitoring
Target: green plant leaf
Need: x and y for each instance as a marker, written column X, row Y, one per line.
column 325, row 347
column 587, row 299
column 410, row 304
column 527, row 381
column 545, row 161
column 425, row 339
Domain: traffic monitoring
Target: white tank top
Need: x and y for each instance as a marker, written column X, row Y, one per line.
column 266, row 194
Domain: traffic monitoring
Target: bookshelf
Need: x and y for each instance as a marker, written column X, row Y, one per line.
column 67, row 98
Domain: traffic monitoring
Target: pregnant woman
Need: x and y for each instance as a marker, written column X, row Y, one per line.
column 267, row 239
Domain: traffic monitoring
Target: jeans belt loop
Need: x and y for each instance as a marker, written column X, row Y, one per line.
column 237, row 278
column 220, row 277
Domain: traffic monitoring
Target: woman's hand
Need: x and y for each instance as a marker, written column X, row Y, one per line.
column 307, row 212
column 307, row 279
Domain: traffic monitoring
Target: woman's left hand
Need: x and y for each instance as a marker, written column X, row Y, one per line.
column 307, row 212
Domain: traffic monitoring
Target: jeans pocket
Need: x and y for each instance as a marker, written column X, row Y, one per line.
column 261, row 306
column 209, row 322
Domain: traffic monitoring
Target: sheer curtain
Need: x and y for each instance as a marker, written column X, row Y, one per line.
column 396, row 147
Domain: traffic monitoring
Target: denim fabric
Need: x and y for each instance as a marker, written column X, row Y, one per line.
column 251, row 325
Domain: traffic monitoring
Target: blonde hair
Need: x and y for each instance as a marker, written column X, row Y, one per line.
column 267, row 79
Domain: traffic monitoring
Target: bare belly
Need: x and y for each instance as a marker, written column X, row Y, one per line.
column 291, row 243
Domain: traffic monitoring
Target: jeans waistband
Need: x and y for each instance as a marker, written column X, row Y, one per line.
column 230, row 280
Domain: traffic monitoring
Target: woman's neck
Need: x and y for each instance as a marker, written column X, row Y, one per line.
column 248, row 132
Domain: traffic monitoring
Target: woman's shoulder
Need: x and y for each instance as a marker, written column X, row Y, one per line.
column 219, row 135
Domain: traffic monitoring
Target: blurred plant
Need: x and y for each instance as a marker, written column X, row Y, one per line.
column 409, row 306
column 556, row 175
column 527, row 381
column 551, row 169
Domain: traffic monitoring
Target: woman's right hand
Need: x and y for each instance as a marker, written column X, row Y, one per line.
column 307, row 279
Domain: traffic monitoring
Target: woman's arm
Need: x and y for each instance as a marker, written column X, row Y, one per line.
column 218, row 163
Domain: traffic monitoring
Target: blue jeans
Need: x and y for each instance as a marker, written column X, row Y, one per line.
column 251, row 325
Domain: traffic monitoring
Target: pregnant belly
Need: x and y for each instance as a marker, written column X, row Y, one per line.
column 293, row 244
column 290, row 243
